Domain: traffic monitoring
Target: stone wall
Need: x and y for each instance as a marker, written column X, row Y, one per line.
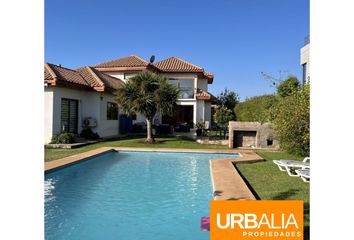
column 242, row 133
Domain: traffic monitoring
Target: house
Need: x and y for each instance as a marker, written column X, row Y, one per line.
column 85, row 95
column 194, row 103
column 71, row 96
column 305, row 60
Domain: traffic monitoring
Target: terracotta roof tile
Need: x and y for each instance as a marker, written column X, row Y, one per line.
column 48, row 73
column 90, row 77
column 208, row 74
column 174, row 64
column 203, row 95
column 64, row 74
column 87, row 76
column 129, row 61
column 109, row 81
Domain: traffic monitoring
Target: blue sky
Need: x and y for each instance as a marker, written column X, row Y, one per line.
column 234, row 39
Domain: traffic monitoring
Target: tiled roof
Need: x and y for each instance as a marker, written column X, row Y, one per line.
column 86, row 76
column 109, row 81
column 90, row 77
column 169, row 65
column 48, row 73
column 208, row 74
column 63, row 74
column 175, row 64
column 129, row 61
column 203, row 95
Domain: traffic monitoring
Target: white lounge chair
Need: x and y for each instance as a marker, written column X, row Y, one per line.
column 291, row 165
column 304, row 174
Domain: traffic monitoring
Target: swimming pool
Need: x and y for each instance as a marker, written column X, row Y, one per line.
column 130, row 195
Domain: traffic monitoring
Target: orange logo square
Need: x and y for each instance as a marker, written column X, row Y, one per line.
column 256, row 219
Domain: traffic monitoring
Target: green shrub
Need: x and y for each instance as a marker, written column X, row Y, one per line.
column 88, row 134
column 288, row 86
column 255, row 108
column 63, row 138
column 222, row 116
column 200, row 125
column 291, row 120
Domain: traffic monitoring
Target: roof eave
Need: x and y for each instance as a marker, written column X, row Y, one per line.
column 51, row 82
column 120, row 69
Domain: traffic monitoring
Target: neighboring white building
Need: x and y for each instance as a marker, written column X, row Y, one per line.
column 305, row 61
column 71, row 96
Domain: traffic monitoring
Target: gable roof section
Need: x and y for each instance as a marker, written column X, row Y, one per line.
column 104, row 80
column 90, row 77
column 173, row 64
column 129, row 61
column 178, row 65
column 54, row 74
column 86, row 77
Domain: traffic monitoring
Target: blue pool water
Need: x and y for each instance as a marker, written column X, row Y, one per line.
column 130, row 195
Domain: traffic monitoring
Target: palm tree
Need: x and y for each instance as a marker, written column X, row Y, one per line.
column 148, row 93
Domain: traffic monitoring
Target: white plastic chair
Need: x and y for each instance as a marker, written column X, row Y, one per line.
column 304, row 174
column 291, row 165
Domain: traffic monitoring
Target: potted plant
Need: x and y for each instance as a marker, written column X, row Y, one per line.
column 200, row 126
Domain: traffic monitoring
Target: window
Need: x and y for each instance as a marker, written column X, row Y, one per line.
column 304, row 73
column 69, row 115
column 112, row 111
column 185, row 86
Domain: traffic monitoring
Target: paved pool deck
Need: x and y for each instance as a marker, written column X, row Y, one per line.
column 227, row 182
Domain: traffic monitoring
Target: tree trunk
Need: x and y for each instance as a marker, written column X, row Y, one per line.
column 150, row 137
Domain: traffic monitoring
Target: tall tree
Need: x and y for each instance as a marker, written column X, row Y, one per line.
column 228, row 99
column 148, row 93
column 222, row 116
column 291, row 119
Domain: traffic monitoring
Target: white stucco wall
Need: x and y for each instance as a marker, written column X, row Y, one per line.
column 48, row 114
column 200, row 110
column 207, row 112
column 90, row 105
column 305, row 58
column 119, row 75
column 107, row 127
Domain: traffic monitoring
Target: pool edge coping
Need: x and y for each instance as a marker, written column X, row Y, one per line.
column 227, row 182
column 74, row 159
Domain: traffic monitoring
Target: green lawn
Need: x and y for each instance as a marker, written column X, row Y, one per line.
column 270, row 183
column 138, row 141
